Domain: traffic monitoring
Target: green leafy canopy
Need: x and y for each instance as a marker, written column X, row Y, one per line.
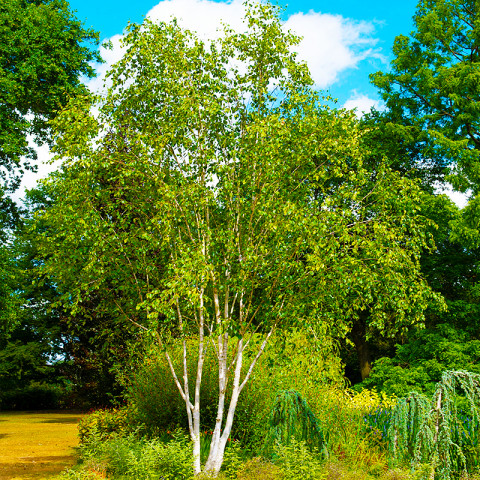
column 214, row 197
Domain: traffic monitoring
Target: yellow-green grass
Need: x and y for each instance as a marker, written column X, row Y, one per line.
column 36, row 445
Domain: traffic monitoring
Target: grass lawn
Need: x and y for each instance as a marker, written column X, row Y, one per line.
column 36, row 445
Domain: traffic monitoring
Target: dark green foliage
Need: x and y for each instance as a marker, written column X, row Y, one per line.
column 291, row 418
column 9, row 298
column 451, row 340
column 419, row 363
column 432, row 83
column 402, row 153
column 44, row 50
column 432, row 95
column 36, row 396
column 31, row 344
column 24, row 362
column 47, row 342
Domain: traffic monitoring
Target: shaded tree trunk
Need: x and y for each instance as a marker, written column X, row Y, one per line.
column 359, row 337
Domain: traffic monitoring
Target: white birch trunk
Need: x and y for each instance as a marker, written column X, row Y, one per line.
column 222, row 379
column 215, row 457
column 197, row 468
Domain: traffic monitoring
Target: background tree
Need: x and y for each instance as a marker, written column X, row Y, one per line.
column 431, row 122
column 44, row 50
column 214, row 198
column 47, row 345
column 432, row 94
column 450, row 339
column 382, row 145
column 429, row 131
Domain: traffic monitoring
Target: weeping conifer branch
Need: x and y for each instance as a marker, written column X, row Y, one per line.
column 433, row 431
column 408, row 417
column 291, row 418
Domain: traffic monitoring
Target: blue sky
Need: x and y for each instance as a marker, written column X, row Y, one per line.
column 377, row 22
column 344, row 41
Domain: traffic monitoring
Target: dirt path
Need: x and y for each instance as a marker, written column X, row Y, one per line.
column 36, row 445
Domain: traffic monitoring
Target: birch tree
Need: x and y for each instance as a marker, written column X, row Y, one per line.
column 214, row 198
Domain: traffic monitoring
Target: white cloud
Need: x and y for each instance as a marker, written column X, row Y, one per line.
column 330, row 45
column 361, row 103
column 202, row 16
column 111, row 56
column 44, row 168
column 460, row 199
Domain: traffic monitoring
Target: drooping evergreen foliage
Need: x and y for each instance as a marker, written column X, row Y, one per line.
column 407, row 418
column 438, row 432
column 291, row 418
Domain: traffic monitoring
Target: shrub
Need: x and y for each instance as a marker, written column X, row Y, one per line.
column 291, row 418
column 39, row 396
column 232, row 460
column 128, row 457
column 419, row 363
column 298, row 462
column 104, row 424
column 154, row 397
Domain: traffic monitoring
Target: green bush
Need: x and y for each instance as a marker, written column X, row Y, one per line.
column 419, row 363
column 40, row 396
column 298, row 462
column 127, row 457
column 104, row 424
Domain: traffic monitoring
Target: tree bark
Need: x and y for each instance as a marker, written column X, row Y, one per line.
column 359, row 337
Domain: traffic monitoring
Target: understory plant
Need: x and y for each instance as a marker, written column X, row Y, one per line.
column 336, row 414
column 439, row 432
column 291, row 362
column 103, row 424
column 128, row 457
column 291, row 421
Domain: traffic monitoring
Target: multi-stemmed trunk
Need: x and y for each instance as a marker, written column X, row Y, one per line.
column 220, row 436
column 223, row 423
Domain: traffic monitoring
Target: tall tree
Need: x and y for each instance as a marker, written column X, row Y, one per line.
column 43, row 341
column 382, row 144
column 432, row 93
column 44, row 50
column 214, row 198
